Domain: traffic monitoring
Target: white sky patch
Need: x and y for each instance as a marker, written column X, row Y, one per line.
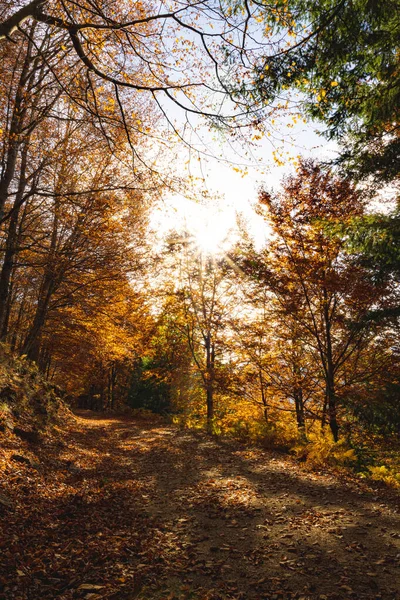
column 228, row 185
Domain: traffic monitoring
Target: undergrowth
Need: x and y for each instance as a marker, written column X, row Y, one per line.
column 27, row 398
column 355, row 452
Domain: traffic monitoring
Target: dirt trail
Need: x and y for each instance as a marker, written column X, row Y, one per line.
column 128, row 510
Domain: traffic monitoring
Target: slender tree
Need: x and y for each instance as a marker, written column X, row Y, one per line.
column 318, row 291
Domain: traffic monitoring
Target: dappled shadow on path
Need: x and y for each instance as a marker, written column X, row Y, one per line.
column 142, row 511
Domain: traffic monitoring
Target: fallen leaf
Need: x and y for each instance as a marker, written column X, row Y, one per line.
column 90, row 587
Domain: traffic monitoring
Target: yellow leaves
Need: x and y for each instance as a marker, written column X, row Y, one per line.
column 277, row 158
column 109, row 105
column 322, row 449
column 334, row 83
column 382, row 473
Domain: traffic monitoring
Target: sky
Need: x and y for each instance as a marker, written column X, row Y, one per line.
column 223, row 190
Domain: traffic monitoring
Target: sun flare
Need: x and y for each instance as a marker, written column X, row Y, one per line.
column 213, row 231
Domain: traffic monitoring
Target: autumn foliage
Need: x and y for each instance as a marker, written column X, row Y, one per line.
column 291, row 344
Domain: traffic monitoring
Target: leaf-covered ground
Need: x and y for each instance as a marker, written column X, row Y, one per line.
column 117, row 509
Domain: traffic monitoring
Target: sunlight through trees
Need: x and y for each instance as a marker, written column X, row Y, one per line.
column 290, row 339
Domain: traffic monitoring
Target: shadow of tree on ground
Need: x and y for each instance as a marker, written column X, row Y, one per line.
column 124, row 509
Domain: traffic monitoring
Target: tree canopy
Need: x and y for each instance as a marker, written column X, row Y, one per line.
column 105, row 109
column 344, row 60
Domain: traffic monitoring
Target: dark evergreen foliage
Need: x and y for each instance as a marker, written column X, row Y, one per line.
column 346, row 65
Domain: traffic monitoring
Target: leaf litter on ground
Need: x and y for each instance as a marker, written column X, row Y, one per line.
column 122, row 509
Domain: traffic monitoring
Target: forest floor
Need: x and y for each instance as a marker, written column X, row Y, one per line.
column 111, row 508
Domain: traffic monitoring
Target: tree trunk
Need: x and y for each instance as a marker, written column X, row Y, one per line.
column 332, row 412
column 14, row 133
column 330, row 375
column 210, row 376
column 263, row 396
column 210, row 408
column 15, row 343
column 49, row 284
column 31, row 345
column 11, row 247
column 113, row 378
column 324, row 411
column 299, row 406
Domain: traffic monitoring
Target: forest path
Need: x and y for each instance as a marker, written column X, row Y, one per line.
column 121, row 509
